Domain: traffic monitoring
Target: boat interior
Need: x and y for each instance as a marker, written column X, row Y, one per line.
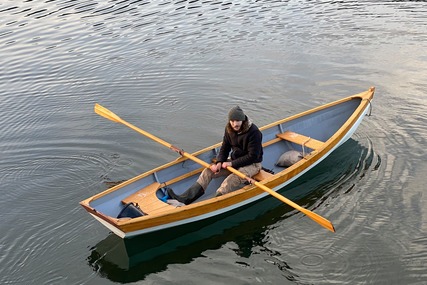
column 305, row 134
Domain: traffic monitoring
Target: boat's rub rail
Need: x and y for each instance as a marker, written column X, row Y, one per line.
column 301, row 139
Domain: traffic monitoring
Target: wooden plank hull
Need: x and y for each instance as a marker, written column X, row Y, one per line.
column 316, row 133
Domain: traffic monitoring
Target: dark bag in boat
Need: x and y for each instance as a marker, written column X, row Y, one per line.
column 131, row 210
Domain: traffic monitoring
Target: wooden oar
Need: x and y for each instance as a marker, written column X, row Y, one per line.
column 104, row 112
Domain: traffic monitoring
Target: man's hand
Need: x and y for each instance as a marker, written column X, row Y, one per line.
column 216, row 167
column 226, row 164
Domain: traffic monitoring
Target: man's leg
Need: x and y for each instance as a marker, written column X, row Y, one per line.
column 233, row 182
column 198, row 188
column 207, row 175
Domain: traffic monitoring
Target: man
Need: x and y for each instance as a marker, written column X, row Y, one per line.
column 244, row 140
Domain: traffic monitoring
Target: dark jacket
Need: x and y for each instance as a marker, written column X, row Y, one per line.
column 245, row 146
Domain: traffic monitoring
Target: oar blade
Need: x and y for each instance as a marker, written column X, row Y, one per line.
column 104, row 112
column 315, row 217
column 319, row 219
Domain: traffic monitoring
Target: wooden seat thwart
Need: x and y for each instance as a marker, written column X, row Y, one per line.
column 301, row 139
column 261, row 175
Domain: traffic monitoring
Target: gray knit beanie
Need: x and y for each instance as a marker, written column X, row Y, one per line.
column 236, row 114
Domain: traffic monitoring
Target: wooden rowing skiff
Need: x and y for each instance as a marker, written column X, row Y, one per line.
column 314, row 134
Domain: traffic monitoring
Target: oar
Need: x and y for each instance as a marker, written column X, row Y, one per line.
column 104, row 112
column 315, row 217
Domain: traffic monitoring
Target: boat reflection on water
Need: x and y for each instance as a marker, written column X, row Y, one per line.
column 129, row 260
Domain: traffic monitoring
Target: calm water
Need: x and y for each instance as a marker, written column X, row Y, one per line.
column 174, row 68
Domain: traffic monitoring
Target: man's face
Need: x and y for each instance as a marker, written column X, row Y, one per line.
column 236, row 125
